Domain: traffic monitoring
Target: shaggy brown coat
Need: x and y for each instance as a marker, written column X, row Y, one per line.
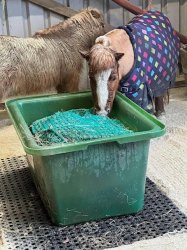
column 50, row 59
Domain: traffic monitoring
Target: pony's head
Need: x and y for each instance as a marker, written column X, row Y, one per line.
column 103, row 73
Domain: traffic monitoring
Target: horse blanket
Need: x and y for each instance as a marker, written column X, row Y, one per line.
column 156, row 52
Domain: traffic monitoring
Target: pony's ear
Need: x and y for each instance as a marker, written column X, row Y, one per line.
column 104, row 40
column 118, row 56
column 95, row 13
column 85, row 54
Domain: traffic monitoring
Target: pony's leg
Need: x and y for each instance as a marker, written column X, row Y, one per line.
column 159, row 106
column 70, row 84
column 2, row 106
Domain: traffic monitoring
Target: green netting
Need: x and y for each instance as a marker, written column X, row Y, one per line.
column 74, row 126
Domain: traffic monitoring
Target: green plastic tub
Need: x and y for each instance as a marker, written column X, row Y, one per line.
column 89, row 180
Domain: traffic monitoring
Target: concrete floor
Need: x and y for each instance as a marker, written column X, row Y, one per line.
column 167, row 166
column 10, row 144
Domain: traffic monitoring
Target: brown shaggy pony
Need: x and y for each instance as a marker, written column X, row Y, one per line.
column 50, row 59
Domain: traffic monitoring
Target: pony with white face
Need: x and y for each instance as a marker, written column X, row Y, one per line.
column 105, row 69
column 140, row 60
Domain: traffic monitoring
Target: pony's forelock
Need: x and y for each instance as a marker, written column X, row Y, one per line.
column 101, row 58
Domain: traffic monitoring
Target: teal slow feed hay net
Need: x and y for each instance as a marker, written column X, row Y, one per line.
column 75, row 125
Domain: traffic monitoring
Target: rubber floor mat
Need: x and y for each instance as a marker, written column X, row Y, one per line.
column 26, row 225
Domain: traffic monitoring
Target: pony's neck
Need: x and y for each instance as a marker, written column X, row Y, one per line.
column 120, row 42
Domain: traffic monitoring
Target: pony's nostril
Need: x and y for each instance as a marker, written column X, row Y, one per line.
column 95, row 110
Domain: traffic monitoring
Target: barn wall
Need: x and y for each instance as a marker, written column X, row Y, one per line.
column 22, row 18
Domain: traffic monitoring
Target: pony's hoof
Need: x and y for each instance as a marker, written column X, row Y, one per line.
column 159, row 113
column 2, row 106
column 161, row 116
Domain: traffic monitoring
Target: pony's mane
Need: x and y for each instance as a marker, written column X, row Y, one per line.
column 101, row 58
column 84, row 19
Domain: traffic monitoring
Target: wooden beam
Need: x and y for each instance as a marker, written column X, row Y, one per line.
column 55, row 7
column 130, row 7
column 180, row 84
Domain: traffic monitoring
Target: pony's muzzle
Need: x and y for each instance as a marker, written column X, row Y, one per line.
column 102, row 112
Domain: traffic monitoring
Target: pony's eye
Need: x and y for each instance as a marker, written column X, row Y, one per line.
column 91, row 76
column 112, row 78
